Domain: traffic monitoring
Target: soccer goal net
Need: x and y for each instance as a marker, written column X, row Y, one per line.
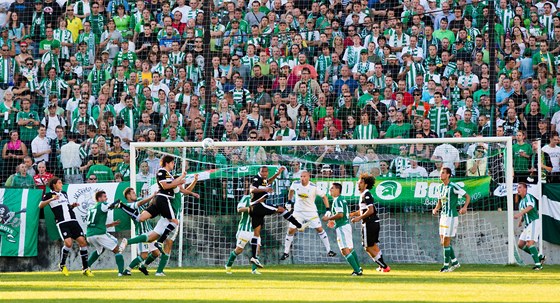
column 405, row 191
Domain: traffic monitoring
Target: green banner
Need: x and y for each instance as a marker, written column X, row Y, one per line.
column 386, row 191
column 84, row 194
column 401, row 192
column 19, row 222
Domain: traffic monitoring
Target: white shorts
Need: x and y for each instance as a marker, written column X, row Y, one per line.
column 101, row 242
column 448, row 226
column 161, row 225
column 146, row 247
column 309, row 219
column 344, row 236
column 243, row 237
column 531, row 232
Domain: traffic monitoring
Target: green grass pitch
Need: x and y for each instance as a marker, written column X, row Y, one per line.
column 290, row 283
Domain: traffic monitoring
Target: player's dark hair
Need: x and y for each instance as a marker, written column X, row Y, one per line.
column 99, row 194
column 522, row 184
column 337, row 186
column 369, row 180
column 52, row 182
column 447, row 170
column 166, row 159
column 127, row 191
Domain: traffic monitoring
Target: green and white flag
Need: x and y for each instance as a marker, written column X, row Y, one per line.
column 19, row 222
column 551, row 213
column 84, row 194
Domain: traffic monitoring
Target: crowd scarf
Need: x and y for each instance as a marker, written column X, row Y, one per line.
column 39, row 18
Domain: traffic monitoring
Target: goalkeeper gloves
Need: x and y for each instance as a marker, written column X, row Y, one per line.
column 288, row 206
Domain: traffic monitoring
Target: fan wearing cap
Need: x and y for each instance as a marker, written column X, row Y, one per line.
column 8, row 69
column 410, row 70
column 50, row 58
column 53, row 119
column 364, row 66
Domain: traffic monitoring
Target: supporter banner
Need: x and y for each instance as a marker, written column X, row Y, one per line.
column 387, row 191
column 414, row 191
column 551, row 213
column 19, row 222
column 84, row 194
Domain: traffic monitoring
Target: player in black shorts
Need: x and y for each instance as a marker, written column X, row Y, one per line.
column 167, row 185
column 68, row 227
column 370, row 222
column 260, row 188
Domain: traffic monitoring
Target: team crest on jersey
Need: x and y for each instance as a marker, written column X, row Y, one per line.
column 9, row 223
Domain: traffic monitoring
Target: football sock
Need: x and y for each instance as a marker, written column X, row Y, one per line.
column 452, row 255
column 162, row 262
column 379, row 260
column 446, row 256
column 355, row 254
column 93, row 257
column 352, row 261
column 135, row 262
column 232, row 256
column 535, row 254
column 325, row 239
column 149, row 259
column 288, row 216
column 254, row 246
column 170, row 228
column 133, row 213
column 526, row 249
column 253, row 267
column 288, row 243
column 138, row 239
column 120, row 262
column 64, row 255
column 84, row 256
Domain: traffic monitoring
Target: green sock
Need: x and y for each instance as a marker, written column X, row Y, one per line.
column 149, row 259
column 93, row 257
column 162, row 262
column 355, row 256
column 120, row 262
column 452, row 254
column 135, row 262
column 352, row 261
column 138, row 239
column 253, row 267
column 526, row 249
column 232, row 256
column 446, row 256
column 535, row 254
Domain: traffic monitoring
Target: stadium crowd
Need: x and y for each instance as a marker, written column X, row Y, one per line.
column 81, row 80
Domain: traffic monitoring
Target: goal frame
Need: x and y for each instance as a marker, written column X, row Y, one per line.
column 508, row 141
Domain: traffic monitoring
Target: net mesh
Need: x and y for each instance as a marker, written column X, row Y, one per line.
column 409, row 231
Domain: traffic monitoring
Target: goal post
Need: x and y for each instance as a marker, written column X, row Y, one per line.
column 409, row 232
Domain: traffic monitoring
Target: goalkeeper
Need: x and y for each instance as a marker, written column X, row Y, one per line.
column 340, row 220
column 305, row 211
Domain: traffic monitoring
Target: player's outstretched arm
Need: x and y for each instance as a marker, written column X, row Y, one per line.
column 278, row 172
column 144, row 201
column 44, row 203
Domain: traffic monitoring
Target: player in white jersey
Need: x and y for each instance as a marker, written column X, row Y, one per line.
column 305, row 211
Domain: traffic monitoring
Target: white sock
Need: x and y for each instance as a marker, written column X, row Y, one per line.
column 377, row 256
column 325, row 239
column 288, row 243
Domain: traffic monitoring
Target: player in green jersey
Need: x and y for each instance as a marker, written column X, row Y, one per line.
column 529, row 214
column 449, row 194
column 244, row 233
column 97, row 234
column 147, row 252
column 340, row 221
column 158, row 230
